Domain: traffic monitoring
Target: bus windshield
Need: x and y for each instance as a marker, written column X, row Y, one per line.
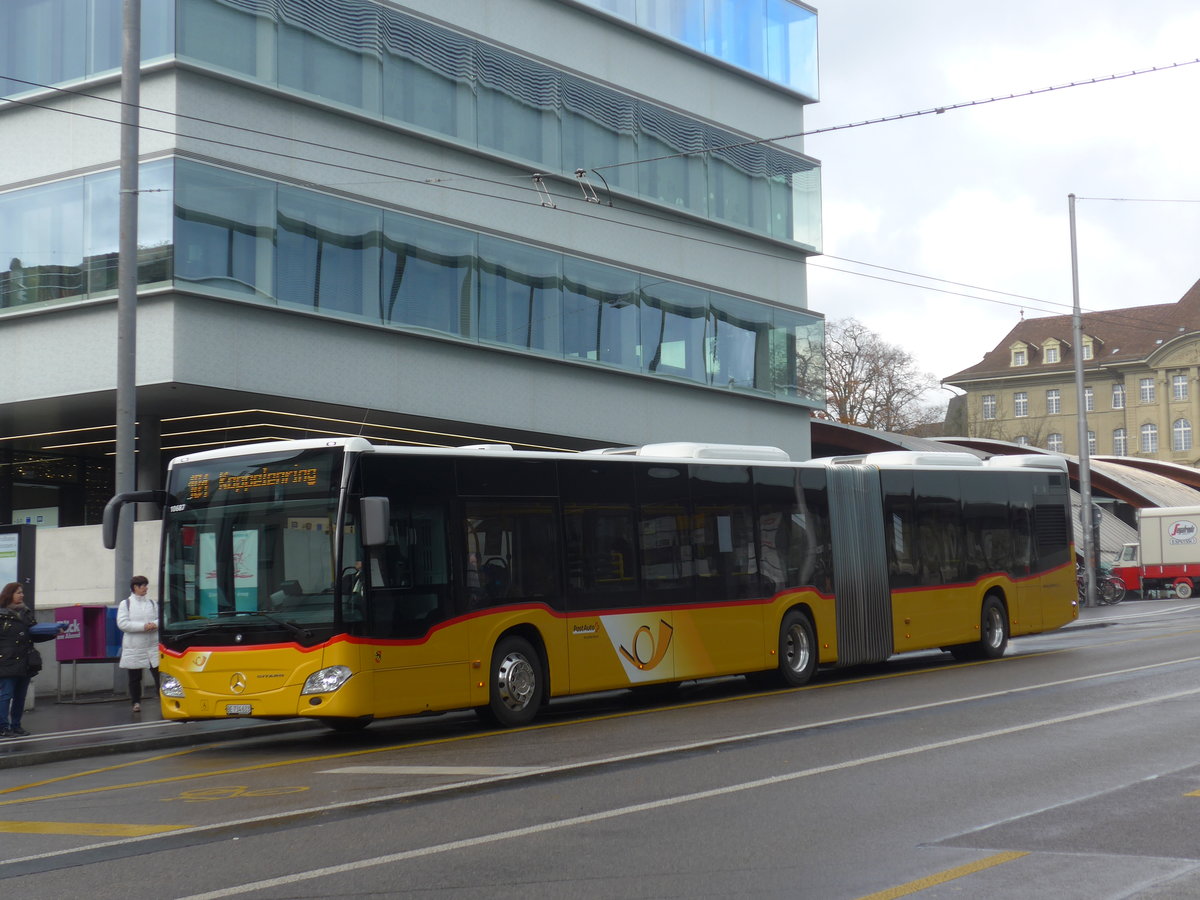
column 254, row 543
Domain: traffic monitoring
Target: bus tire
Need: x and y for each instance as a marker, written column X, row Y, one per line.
column 797, row 649
column 1183, row 589
column 993, row 633
column 517, row 685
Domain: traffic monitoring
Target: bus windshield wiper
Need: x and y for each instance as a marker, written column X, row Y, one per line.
column 295, row 630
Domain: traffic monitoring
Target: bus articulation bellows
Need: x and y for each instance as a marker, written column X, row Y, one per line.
column 343, row 581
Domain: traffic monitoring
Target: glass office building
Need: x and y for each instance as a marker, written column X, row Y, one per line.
column 383, row 167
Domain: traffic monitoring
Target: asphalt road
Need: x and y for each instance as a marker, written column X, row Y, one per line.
column 1070, row 768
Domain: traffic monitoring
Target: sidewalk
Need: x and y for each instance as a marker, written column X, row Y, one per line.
column 102, row 725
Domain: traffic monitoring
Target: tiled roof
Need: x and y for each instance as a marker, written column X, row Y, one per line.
column 1120, row 335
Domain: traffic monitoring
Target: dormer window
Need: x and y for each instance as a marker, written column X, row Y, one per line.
column 1089, row 348
column 1020, row 355
column 1050, row 355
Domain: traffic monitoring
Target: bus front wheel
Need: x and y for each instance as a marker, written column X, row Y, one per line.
column 517, row 684
column 797, row 649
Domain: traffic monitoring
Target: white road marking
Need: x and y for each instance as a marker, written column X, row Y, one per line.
column 431, row 770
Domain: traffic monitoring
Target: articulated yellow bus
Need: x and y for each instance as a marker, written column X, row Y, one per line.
column 346, row 582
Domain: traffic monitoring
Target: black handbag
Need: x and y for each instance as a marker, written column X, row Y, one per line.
column 33, row 662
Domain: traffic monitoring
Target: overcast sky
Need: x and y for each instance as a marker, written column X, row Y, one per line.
column 979, row 195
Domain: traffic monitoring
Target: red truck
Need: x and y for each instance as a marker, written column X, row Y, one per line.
column 1167, row 554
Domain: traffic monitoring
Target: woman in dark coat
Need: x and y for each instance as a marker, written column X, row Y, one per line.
column 19, row 662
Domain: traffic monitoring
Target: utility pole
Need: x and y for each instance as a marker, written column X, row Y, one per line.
column 1085, row 474
column 127, row 282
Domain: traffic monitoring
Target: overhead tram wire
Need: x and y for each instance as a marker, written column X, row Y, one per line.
column 536, row 201
column 933, row 111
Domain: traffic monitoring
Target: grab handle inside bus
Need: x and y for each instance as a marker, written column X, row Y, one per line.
column 375, row 513
column 112, row 511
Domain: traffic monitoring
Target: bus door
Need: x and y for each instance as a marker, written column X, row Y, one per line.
column 407, row 596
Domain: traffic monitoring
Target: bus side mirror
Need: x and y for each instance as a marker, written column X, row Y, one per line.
column 374, row 516
column 112, row 511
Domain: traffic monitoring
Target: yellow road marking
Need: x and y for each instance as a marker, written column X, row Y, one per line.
column 101, row 771
column 94, row 829
column 921, row 884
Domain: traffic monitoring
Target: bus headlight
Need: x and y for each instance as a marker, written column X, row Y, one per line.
column 170, row 687
column 326, row 680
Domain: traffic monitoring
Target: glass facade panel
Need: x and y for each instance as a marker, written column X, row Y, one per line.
column 797, row 361
column 330, row 49
column 672, row 322
column 518, row 102
column 775, row 39
column 428, row 76
column 238, row 37
column 41, row 239
column 599, row 125
column 601, row 319
column 428, row 275
column 682, row 181
column 224, row 230
column 520, row 296
column 327, row 253
column 739, row 343
column 60, row 55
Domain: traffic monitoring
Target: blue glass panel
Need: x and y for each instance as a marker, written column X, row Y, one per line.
column 739, row 343
column 792, row 46
column 518, row 102
column 155, row 221
column 679, row 181
column 680, row 20
column 739, row 191
column 224, row 224
column 520, row 299
column 41, row 243
column 798, row 356
column 599, row 130
column 672, row 324
column 735, row 31
column 427, row 76
column 327, row 253
column 600, row 313
column 238, row 35
column 42, row 41
column 428, row 275
column 329, row 49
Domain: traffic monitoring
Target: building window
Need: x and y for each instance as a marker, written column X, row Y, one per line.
column 1051, row 354
column 1181, row 435
column 1120, row 442
column 1091, row 443
column 1022, row 441
column 1088, row 349
column 1146, row 390
column 1020, row 404
column 1149, row 438
column 1118, row 400
column 1054, row 443
column 1179, row 387
column 1053, row 402
column 1019, row 357
column 1089, row 399
column 989, row 406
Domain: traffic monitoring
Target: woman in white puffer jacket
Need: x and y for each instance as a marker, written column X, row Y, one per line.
column 137, row 617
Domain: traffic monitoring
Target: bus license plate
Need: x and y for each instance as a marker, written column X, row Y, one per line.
column 237, row 709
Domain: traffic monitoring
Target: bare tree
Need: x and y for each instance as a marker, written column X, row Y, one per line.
column 875, row 384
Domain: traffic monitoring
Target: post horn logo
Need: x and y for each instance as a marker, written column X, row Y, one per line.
column 648, row 652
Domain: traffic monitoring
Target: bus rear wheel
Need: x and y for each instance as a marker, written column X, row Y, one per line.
column 797, row 649
column 993, row 633
column 517, row 686
column 1183, row 589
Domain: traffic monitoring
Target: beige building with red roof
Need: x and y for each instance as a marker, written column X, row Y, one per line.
column 1141, row 383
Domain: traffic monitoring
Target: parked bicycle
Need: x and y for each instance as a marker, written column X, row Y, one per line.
column 1110, row 590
